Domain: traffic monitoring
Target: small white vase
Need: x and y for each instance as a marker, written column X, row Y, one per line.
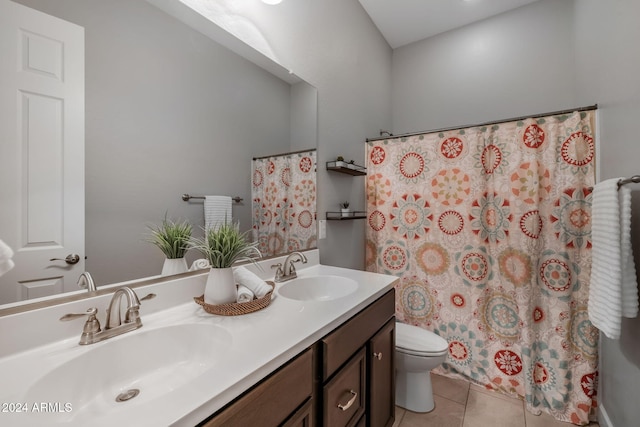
column 345, row 211
column 221, row 287
column 173, row 266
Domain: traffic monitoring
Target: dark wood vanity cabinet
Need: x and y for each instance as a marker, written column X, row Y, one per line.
column 346, row 379
column 282, row 396
column 367, row 339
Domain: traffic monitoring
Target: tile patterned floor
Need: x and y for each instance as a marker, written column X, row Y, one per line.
column 461, row 404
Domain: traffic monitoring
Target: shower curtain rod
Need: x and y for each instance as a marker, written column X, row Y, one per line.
column 495, row 122
column 285, row 154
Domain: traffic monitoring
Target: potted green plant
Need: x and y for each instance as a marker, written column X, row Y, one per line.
column 222, row 246
column 344, row 208
column 173, row 239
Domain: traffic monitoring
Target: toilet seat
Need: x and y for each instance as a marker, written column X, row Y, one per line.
column 416, row 341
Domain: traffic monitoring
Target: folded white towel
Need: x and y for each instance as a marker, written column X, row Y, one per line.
column 199, row 264
column 611, row 255
column 244, row 294
column 244, row 277
column 217, row 211
column 6, row 263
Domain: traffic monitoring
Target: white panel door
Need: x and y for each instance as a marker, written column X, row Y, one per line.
column 41, row 151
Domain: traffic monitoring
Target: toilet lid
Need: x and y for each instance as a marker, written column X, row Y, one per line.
column 414, row 340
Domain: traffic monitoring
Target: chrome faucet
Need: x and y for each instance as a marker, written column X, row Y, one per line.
column 91, row 333
column 287, row 271
column 85, row 281
column 114, row 319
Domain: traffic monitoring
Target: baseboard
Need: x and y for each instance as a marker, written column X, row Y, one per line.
column 603, row 418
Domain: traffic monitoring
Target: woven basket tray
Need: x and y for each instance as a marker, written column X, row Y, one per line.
column 236, row 309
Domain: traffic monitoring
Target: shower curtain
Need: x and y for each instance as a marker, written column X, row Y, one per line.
column 488, row 229
column 283, row 197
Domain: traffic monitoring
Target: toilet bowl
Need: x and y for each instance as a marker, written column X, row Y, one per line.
column 418, row 351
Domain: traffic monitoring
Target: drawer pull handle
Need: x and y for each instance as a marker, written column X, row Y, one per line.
column 348, row 405
column 377, row 356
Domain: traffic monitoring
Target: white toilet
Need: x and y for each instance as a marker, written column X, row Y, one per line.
column 418, row 351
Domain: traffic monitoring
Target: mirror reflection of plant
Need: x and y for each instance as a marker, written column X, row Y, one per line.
column 224, row 245
column 172, row 237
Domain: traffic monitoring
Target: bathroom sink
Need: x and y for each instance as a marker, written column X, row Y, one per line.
column 318, row 288
column 130, row 370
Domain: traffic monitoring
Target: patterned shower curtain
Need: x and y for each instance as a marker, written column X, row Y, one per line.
column 489, row 230
column 284, row 202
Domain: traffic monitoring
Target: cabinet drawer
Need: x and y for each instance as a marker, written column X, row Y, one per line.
column 340, row 344
column 344, row 395
column 287, row 389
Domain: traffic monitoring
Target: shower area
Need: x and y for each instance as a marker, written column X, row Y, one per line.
column 488, row 229
column 283, row 200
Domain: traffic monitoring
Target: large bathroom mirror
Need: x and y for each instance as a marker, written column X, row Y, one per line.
column 170, row 110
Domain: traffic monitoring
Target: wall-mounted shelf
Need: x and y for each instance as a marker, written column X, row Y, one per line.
column 339, row 216
column 345, row 167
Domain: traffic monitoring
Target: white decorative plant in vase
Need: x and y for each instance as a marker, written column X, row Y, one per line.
column 344, row 208
column 222, row 246
column 173, row 239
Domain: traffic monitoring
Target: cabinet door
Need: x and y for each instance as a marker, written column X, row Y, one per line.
column 382, row 349
column 344, row 396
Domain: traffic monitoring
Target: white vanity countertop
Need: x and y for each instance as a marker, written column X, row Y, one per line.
column 260, row 343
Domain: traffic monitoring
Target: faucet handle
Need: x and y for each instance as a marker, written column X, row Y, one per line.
column 91, row 326
column 148, row 297
column 279, row 272
column 71, row 316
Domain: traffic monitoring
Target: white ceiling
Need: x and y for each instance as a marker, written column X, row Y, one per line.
column 405, row 21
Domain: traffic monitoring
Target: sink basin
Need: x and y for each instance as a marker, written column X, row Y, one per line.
column 136, row 367
column 318, row 288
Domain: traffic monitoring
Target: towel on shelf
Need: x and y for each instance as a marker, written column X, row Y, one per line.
column 6, row 263
column 217, row 211
column 246, row 278
column 613, row 288
column 244, row 294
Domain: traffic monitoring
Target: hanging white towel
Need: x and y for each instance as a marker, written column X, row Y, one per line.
column 217, row 211
column 613, row 288
column 629, row 280
column 6, row 263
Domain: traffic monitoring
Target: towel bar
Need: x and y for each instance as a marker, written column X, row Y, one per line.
column 186, row 197
column 634, row 179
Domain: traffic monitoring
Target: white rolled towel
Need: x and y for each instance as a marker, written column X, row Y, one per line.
column 6, row 263
column 244, row 294
column 244, row 277
column 199, row 264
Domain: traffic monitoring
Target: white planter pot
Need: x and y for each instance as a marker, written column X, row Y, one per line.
column 221, row 287
column 345, row 212
column 174, row 266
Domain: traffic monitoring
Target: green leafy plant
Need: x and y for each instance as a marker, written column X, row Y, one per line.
column 340, row 159
column 172, row 237
column 344, row 205
column 224, row 245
